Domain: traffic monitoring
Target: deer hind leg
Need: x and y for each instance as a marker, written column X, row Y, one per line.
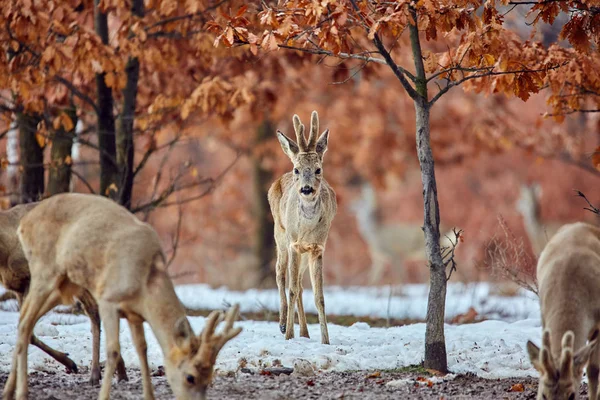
column 41, row 299
column 301, row 314
column 110, row 318
column 294, row 277
column 281, row 271
column 316, row 278
column 592, row 371
column 91, row 309
column 57, row 355
column 139, row 340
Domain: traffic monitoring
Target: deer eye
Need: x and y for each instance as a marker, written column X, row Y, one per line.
column 296, row 171
column 318, row 171
column 190, row 379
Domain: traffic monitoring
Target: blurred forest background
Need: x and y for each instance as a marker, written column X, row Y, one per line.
column 201, row 134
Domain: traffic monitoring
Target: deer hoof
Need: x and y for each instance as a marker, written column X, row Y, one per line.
column 282, row 328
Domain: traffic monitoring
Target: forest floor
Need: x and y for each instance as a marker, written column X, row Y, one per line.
column 405, row 384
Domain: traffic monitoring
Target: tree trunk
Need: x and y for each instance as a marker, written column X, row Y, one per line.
column 435, row 342
column 59, row 176
column 106, row 119
column 12, row 154
column 125, row 144
column 264, row 239
column 31, row 156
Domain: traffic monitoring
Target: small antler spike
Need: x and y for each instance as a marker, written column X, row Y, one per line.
column 299, row 129
column 314, row 131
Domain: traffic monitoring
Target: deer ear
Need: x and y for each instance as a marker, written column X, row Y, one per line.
column 322, row 143
column 581, row 358
column 184, row 335
column 288, row 145
column 534, row 355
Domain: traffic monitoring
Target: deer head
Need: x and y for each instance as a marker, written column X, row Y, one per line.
column 560, row 379
column 190, row 364
column 307, row 157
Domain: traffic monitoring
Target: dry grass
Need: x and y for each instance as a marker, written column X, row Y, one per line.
column 508, row 257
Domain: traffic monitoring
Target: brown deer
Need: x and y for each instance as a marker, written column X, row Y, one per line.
column 14, row 276
column 78, row 242
column 303, row 206
column 568, row 273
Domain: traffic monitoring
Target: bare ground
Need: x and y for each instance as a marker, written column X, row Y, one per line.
column 332, row 385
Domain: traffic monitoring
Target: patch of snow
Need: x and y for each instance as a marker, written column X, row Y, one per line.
column 490, row 349
column 406, row 302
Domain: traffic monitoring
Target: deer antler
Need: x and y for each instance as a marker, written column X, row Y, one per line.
column 212, row 343
column 299, row 129
column 547, row 360
column 566, row 358
column 314, row 131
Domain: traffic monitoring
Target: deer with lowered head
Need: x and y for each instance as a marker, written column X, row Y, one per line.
column 15, row 277
column 78, row 242
column 568, row 274
column 303, row 206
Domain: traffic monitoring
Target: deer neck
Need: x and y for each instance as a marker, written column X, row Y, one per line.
column 309, row 209
column 535, row 230
column 162, row 310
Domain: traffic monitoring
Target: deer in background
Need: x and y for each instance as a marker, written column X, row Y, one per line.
column 389, row 244
column 568, row 273
column 528, row 205
column 15, row 277
column 78, row 242
column 303, row 206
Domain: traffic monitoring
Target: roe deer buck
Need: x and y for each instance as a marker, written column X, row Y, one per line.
column 390, row 244
column 568, row 273
column 528, row 205
column 303, row 206
column 14, row 276
column 78, row 242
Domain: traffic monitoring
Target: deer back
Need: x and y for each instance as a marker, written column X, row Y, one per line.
column 97, row 243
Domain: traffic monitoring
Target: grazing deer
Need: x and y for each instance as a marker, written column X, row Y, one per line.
column 568, row 273
column 303, row 206
column 528, row 205
column 78, row 242
column 14, row 276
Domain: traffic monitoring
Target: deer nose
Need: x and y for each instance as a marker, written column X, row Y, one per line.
column 306, row 190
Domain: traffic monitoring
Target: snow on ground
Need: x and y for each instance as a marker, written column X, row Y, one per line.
column 490, row 349
column 407, row 302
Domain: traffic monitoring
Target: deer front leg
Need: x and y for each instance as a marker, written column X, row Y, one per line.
column 294, row 276
column 316, row 278
column 301, row 314
column 139, row 340
column 91, row 309
column 592, row 371
column 281, row 271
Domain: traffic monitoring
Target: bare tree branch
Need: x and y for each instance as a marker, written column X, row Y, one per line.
column 82, row 179
column 175, row 238
column 591, row 207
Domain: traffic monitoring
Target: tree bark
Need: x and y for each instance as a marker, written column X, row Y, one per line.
column 125, row 143
column 31, row 156
column 264, row 239
column 106, row 119
column 435, row 342
column 59, row 175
